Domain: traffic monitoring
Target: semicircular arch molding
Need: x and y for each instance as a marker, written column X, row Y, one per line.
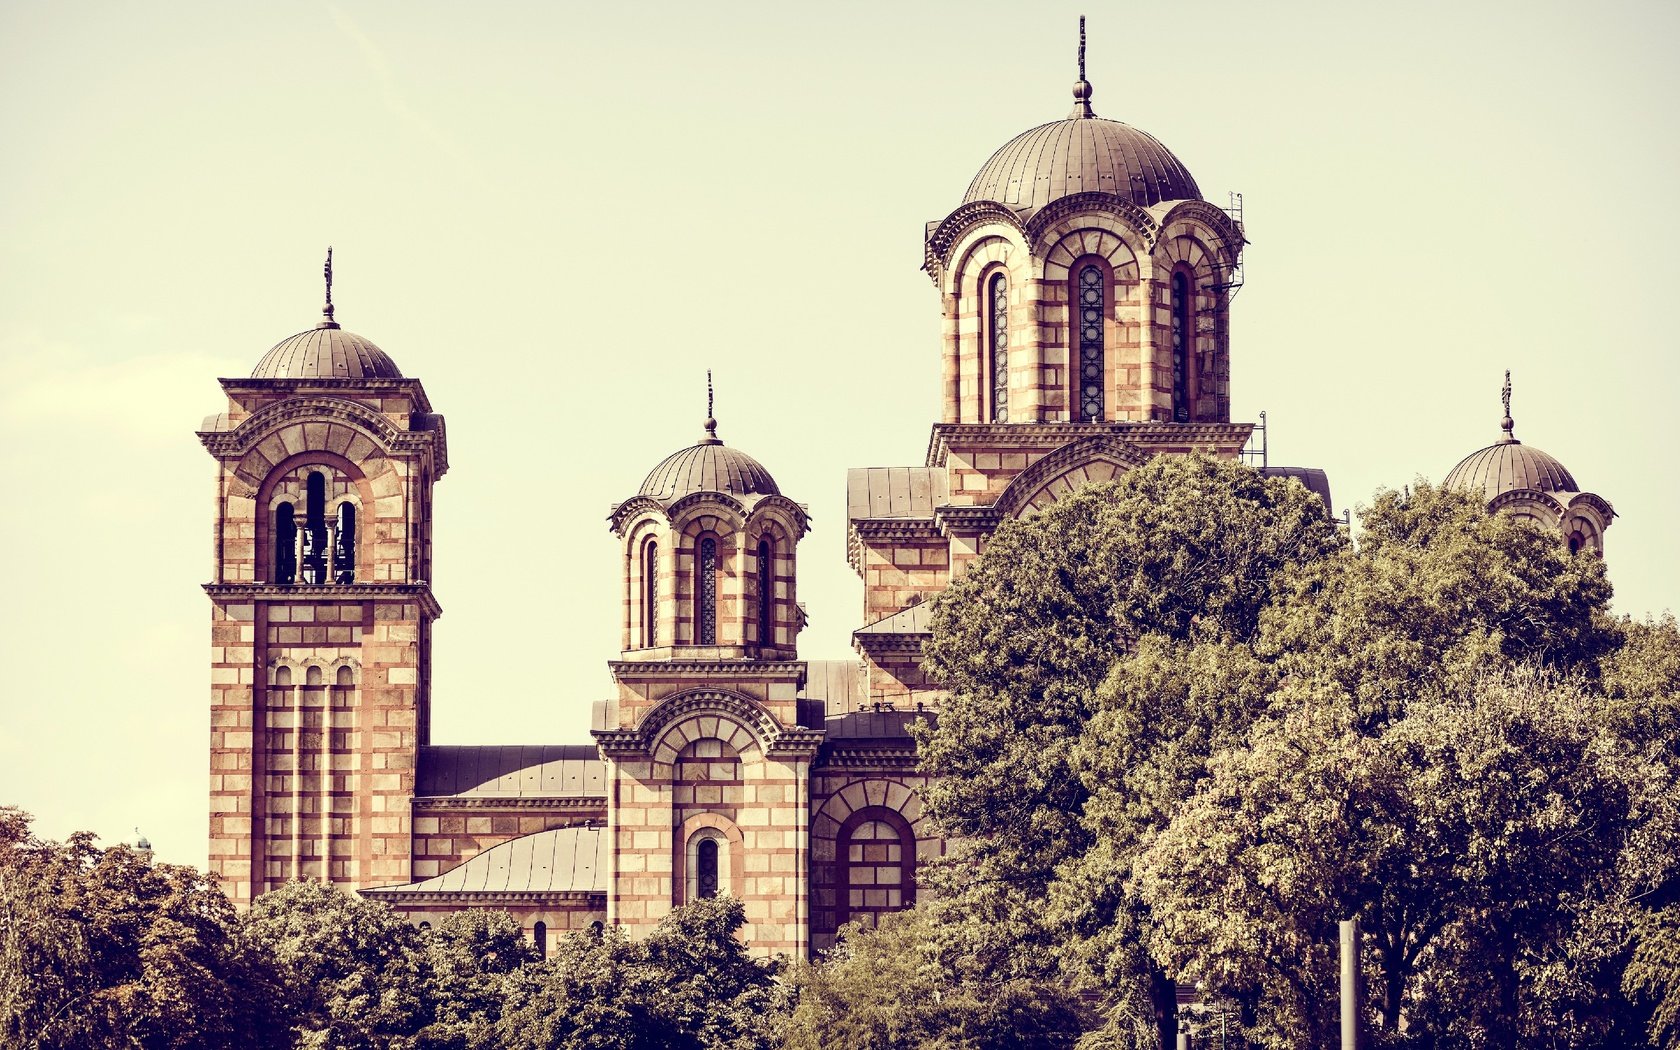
column 980, row 248
column 678, row 709
column 1073, row 466
column 942, row 245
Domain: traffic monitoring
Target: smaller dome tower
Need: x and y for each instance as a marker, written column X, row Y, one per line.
column 1521, row 480
column 708, row 547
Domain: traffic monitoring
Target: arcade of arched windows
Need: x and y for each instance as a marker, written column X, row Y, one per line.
column 314, row 528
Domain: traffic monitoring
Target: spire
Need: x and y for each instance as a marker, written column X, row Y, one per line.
column 1082, row 88
column 711, row 437
column 327, row 311
column 1506, row 424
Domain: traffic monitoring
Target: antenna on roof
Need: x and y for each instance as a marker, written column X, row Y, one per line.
column 327, row 311
column 1082, row 89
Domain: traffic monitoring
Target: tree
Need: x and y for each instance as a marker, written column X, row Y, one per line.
column 1466, row 836
column 690, row 984
column 354, row 970
column 903, row 985
column 1189, row 550
column 100, row 947
column 468, row 957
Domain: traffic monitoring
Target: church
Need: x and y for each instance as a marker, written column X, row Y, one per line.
column 1084, row 287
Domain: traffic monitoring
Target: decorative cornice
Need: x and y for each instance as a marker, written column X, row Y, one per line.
column 327, row 592
column 1225, row 228
column 288, row 385
column 860, row 531
column 951, row 229
column 1596, row 502
column 863, row 756
column 946, row 436
column 1507, row 498
column 740, row 670
column 1093, row 201
column 743, row 512
column 966, row 520
column 885, row 644
column 449, row 802
column 426, row 433
column 745, row 711
column 400, row 895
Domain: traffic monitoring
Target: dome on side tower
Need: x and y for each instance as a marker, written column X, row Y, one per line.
column 1508, row 465
column 709, row 466
column 326, row 351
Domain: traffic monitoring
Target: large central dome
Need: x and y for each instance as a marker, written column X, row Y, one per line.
column 1078, row 155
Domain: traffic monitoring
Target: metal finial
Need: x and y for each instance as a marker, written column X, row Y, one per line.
column 1506, row 424
column 711, row 437
column 327, row 311
column 1082, row 87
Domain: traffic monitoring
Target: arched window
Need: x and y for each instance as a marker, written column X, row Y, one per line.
column 539, row 937
column 705, row 592
column 285, row 544
column 650, row 594
column 706, row 868
column 1183, row 346
column 315, row 529
column 766, row 594
column 1090, row 398
column 706, row 864
column 877, row 865
column 344, row 545
column 1576, row 542
column 997, row 345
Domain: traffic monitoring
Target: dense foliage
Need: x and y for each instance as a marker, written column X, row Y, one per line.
column 1190, row 727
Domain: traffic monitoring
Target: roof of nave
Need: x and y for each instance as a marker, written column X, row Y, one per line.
column 563, row 860
column 512, row 771
column 894, row 492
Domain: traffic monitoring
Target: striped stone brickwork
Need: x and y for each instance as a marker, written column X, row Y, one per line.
column 839, row 797
column 656, row 814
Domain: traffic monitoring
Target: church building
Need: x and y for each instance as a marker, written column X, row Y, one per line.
column 1084, row 286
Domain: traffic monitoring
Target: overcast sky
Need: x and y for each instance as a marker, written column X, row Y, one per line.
column 559, row 215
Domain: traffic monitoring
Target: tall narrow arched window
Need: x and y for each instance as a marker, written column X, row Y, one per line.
column 539, row 938
column 650, row 594
column 344, row 545
column 706, row 868
column 705, row 593
column 1089, row 386
column 285, row 544
column 766, row 593
column 997, row 345
column 1183, row 345
column 315, row 529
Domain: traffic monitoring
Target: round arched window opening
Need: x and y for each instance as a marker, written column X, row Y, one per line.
column 706, row 865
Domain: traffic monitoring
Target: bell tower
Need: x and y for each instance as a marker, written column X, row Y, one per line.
column 321, row 613
column 708, row 744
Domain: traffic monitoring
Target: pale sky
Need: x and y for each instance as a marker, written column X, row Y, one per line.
column 559, row 215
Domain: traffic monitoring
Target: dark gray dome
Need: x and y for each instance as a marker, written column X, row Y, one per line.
column 326, row 352
column 1079, row 155
column 710, row 466
column 1509, row 465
